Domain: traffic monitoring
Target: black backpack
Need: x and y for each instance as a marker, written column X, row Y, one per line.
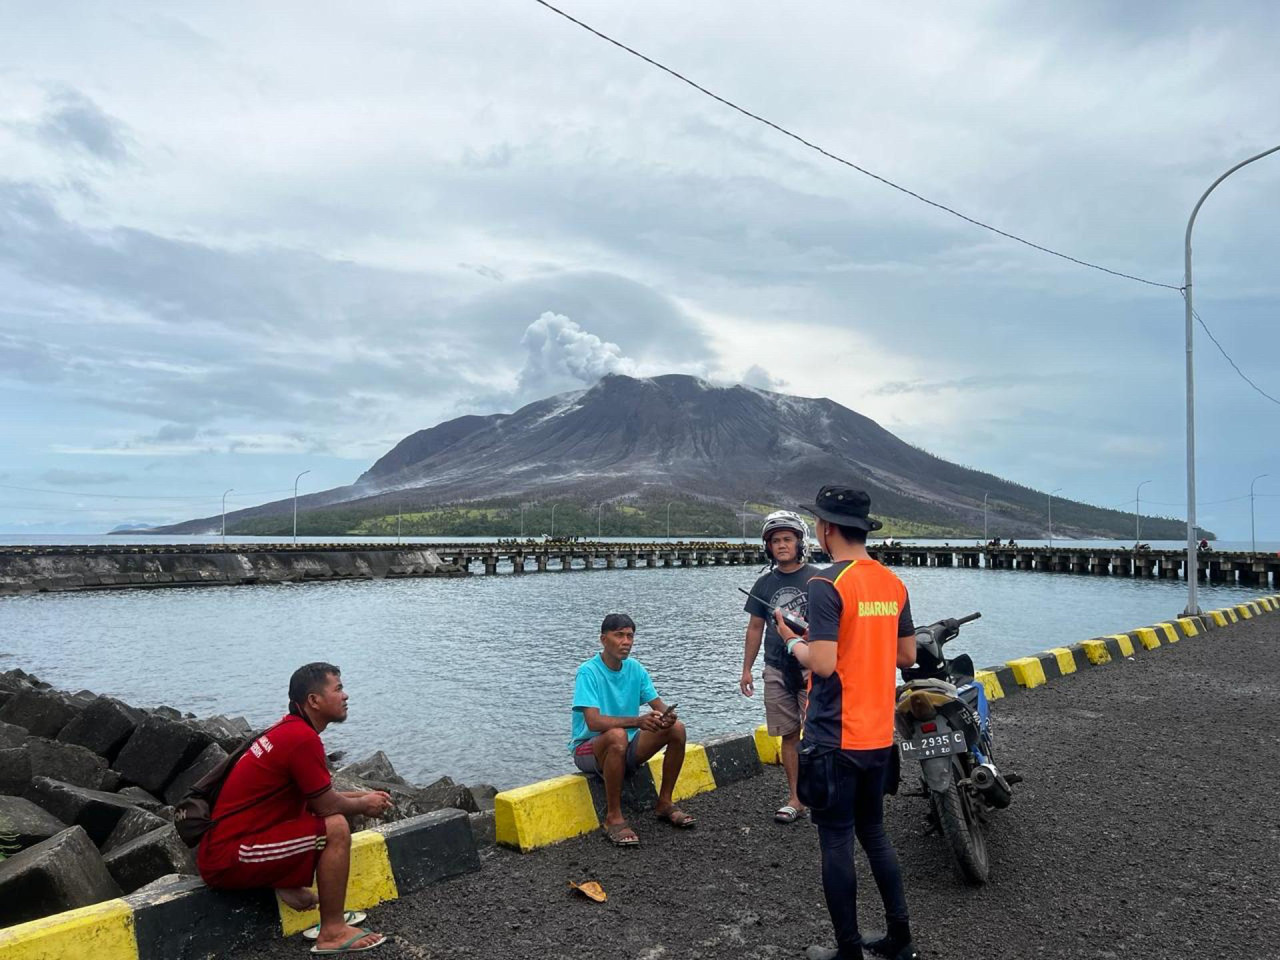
column 193, row 814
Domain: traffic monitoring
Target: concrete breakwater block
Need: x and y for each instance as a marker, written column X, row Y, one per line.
column 157, row 752
column 103, row 727
column 15, row 771
column 12, row 735
column 377, row 766
column 42, row 712
column 96, row 811
column 27, row 823
column 209, row 757
column 131, row 825
column 68, row 763
column 141, row 798
column 149, row 857
column 61, row 873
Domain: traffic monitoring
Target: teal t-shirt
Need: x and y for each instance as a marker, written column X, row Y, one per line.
column 615, row 693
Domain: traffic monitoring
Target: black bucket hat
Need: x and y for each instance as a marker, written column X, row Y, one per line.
column 846, row 507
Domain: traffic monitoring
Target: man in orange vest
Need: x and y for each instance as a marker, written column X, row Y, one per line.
column 860, row 632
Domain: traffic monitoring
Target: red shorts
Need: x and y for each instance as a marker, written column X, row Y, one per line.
column 281, row 856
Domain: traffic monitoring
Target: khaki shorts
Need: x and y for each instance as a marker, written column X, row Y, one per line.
column 783, row 710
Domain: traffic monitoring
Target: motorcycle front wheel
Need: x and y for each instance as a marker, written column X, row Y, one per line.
column 958, row 819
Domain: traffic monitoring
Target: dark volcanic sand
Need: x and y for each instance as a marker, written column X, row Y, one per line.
column 1148, row 825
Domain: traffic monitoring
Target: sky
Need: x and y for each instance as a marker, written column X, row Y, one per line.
column 239, row 240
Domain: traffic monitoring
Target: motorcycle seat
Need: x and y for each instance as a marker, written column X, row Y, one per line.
column 936, row 686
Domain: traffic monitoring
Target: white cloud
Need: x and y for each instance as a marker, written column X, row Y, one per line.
column 560, row 355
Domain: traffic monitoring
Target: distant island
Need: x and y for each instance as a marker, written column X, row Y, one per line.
column 626, row 455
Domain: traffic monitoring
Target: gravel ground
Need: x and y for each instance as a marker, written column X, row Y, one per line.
column 1147, row 826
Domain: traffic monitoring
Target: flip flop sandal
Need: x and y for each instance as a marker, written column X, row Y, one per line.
column 789, row 814
column 677, row 818
column 350, row 918
column 348, row 948
column 621, row 834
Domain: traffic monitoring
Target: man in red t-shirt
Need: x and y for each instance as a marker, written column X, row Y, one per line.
column 279, row 823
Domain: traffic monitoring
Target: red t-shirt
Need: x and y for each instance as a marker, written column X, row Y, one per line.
column 278, row 774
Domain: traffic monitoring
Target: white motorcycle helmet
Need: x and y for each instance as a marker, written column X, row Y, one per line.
column 785, row 520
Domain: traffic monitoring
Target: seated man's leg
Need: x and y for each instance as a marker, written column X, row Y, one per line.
column 331, row 881
column 648, row 743
column 282, row 857
column 608, row 758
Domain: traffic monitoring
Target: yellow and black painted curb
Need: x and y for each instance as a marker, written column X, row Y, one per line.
column 1027, row 673
column 179, row 918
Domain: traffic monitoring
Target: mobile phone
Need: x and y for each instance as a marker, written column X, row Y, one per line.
column 670, row 710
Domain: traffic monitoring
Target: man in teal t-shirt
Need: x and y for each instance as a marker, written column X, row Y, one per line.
column 610, row 737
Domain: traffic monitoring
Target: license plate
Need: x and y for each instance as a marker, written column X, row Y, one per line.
column 933, row 745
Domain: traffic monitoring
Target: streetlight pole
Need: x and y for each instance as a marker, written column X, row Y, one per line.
column 744, row 521
column 599, row 517
column 1137, row 513
column 399, row 510
column 1253, row 540
column 668, row 520
column 1193, row 571
column 984, row 518
column 295, row 503
column 1051, row 493
column 224, row 515
column 553, row 518
column 522, row 506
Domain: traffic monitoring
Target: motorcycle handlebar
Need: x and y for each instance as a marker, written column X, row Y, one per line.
column 969, row 619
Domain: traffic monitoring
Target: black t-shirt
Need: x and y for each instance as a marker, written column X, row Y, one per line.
column 788, row 591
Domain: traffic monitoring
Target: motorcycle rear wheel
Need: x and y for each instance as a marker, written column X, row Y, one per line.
column 962, row 828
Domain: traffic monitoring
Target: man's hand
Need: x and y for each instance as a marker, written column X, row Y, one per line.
column 376, row 803
column 667, row 719
column 651, row 721
column 747, row 684
column 785, row 632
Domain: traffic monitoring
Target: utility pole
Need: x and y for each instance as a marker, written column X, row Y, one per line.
column 744, row 521
column 1193, row 566
column 1253, row 540
column 553, row 518
column 295, row 503
column 1051, row 493
column 399, row 508
column 599, row 517
column 985, row 538
column 668, row 520
column 1137, row 513
column 224, row 515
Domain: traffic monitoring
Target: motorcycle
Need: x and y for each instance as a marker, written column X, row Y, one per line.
column 944, row 723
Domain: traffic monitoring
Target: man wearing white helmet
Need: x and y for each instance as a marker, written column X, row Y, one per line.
column 785, row 694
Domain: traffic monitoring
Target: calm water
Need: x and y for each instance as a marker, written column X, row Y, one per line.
column 473, row 678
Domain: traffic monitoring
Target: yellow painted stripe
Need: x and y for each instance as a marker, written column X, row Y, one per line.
column 695, row 774
column 990, row 684
column 1231, row 614
column 1266, row 603
column 1189, row 626
column 1219, row 617
column 769, row 748
column 103, row 931
column 1147, row 637
column 1125, row 641
column 1243, row 610
column 1066, row 659
column 369, row 883
column 1096, row 651
column 1028, row 672
column 1170, row 633
column 1253, row 605
column 544, row 812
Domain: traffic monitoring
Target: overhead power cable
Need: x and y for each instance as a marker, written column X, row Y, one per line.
column 848, row 163
column 1235, row 366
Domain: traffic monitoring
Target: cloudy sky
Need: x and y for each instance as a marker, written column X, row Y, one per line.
column 242, row 240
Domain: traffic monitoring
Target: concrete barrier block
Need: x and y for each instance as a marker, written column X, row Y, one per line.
column 1218, row 617
column 179, row 918
column 768, row 747
column 66, row 762
column 1145, row 637
column 990, row 684
column 131, row 825
column 149, row 857
column 1171, row 635
column 1096, row 652
column 1124, row 643
column 1065, row 658
column 545, row 812
column 1008, row 682
column 15, row 772
column 1190, row 626
column 102, row 727
column 483, row 828
column 42, row 712
column 427, row 849
column 1027, row 672
column 97, row 812
column 695, row 773
column 158, row 751
column 209, row 757
column 369, row 883
column 61, row 873
column 27, row 823
column 733, row 757
column 639, row 792
column 103, row 931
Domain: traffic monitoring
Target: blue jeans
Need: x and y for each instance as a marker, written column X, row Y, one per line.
column 850, row 785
